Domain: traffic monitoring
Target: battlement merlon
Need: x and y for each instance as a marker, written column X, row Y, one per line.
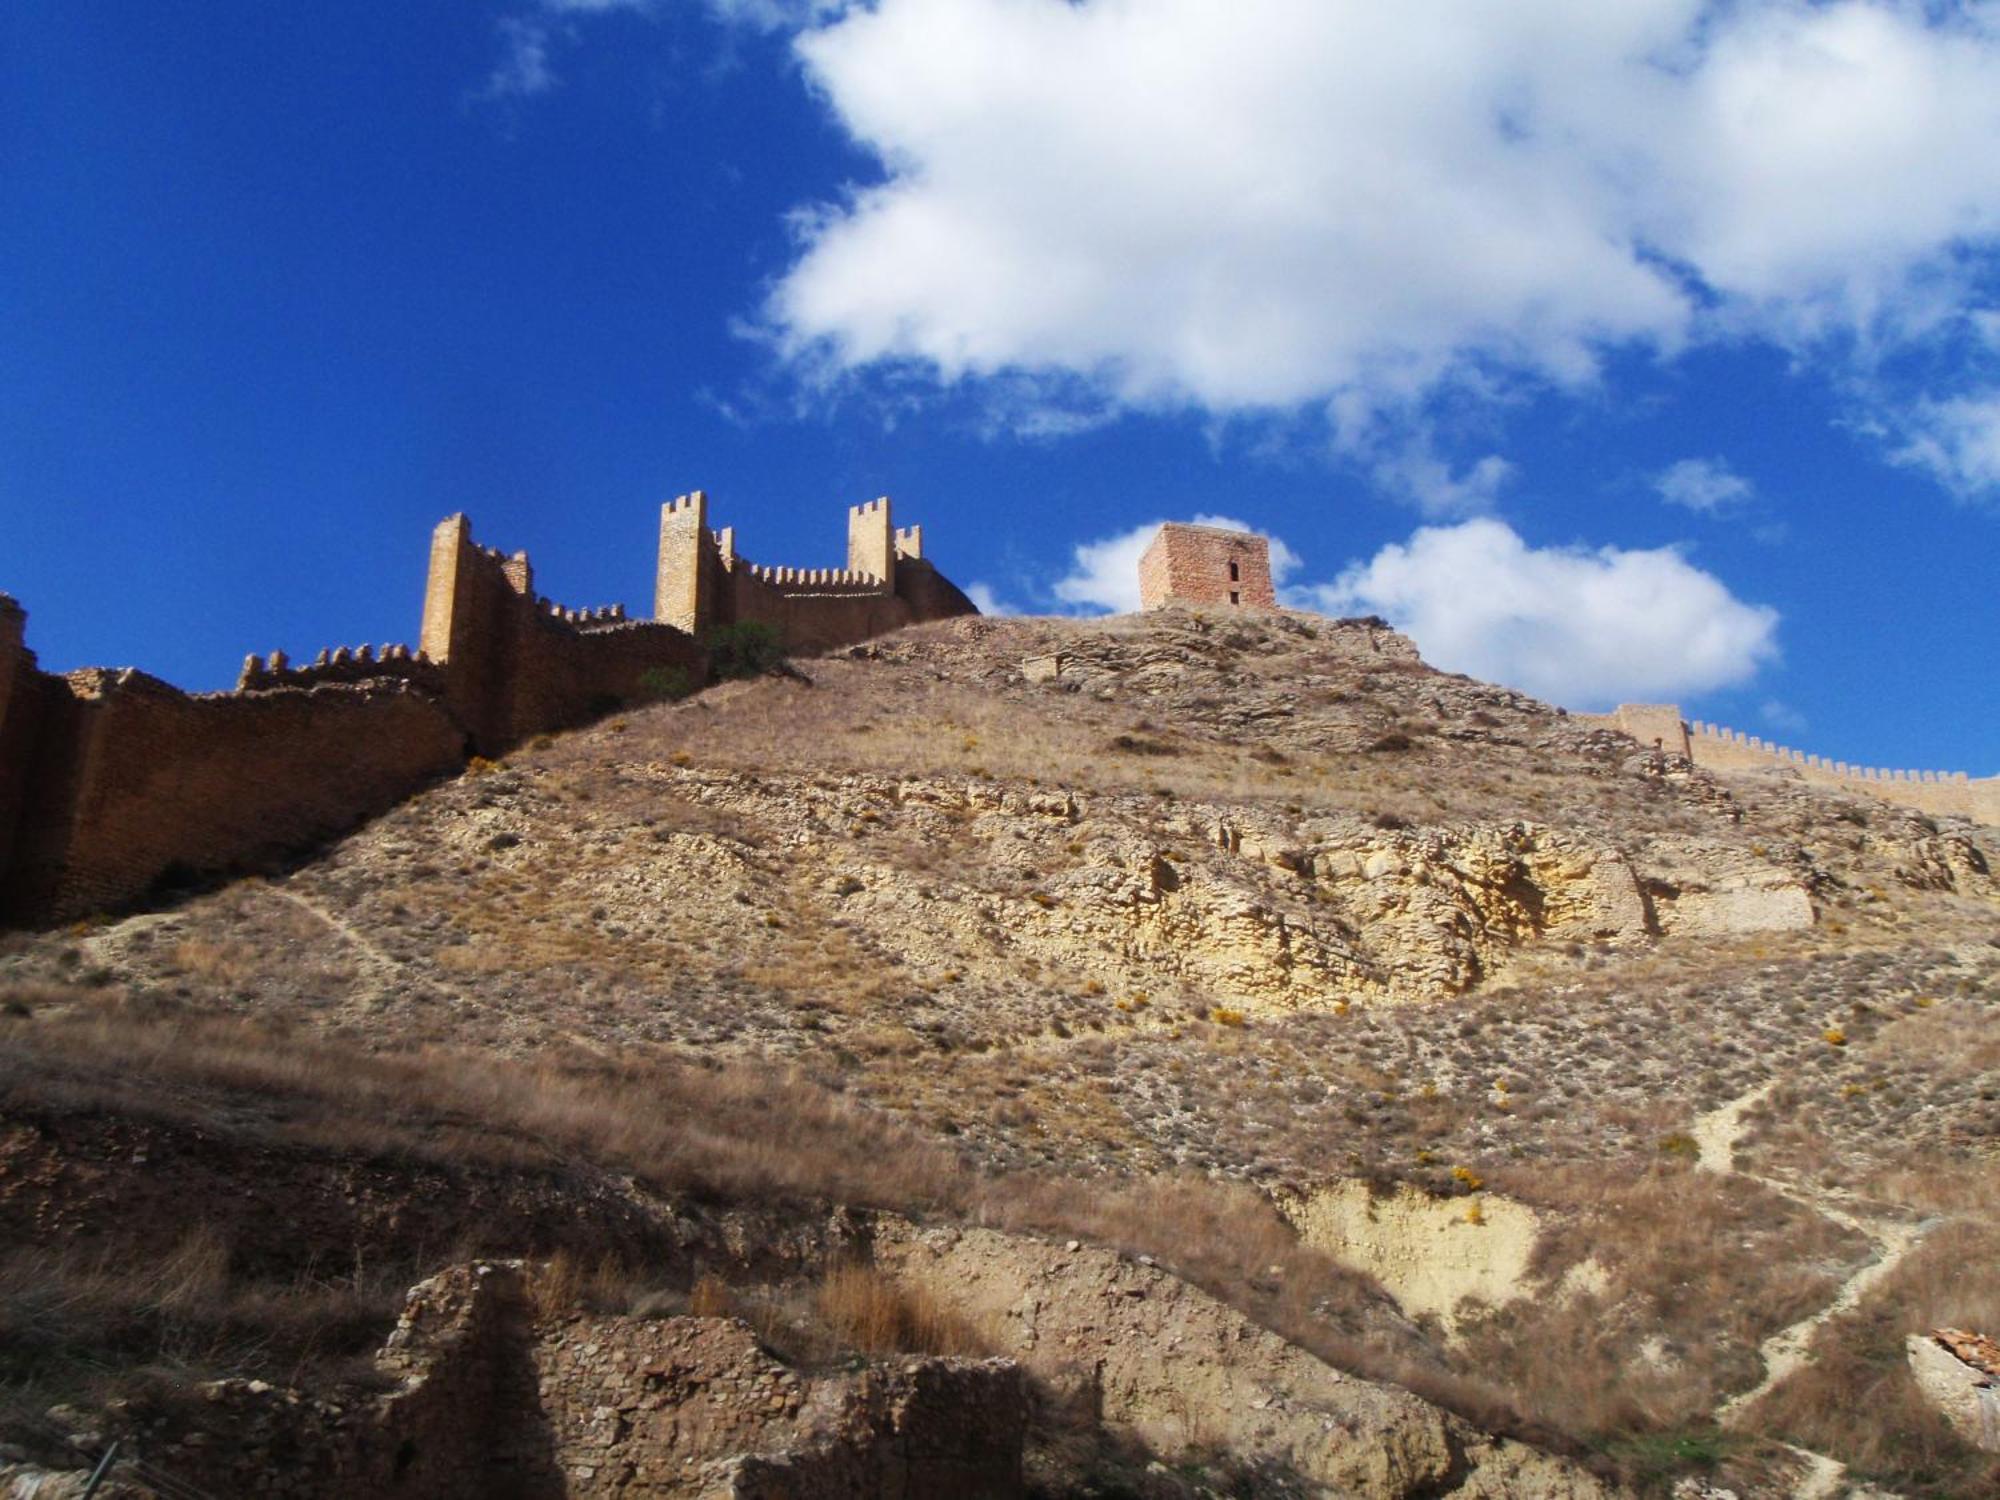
column 871, row 541
column 910, row 542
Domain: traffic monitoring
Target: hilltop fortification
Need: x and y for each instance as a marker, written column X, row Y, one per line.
column 1714, row 748
column 1206, row 565
column 111, row 779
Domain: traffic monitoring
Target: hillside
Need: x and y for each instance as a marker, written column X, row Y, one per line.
column 1028, row 962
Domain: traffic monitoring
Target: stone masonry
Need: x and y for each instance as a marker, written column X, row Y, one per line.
column 1660, row 726
column 111, row 780
column 488, row 1401
column 1206, row 565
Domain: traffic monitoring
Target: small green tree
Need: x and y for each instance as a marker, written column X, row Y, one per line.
column 749, row 648
column 664, row 684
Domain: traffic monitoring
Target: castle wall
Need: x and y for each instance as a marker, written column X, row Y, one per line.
column 1206, row 565
column 1714, row 748
column 20, row 714
column 515, row 665
column 111, row 780
column 704, row 582
column 823, row 609
column 133, row 778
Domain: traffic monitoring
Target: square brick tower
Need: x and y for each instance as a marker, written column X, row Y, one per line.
column 1206, row 565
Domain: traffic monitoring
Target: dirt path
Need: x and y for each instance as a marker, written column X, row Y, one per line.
column 1717, row 1134
column 375, row 958
column 1718, row 1131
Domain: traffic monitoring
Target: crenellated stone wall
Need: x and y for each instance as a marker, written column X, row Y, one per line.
column 704, row 582
column 112, row 780
column 1941, row 793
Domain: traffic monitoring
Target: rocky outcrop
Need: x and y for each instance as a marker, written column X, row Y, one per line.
column 1959, row 1374
column 1430, row 1254
column 1155, row 1359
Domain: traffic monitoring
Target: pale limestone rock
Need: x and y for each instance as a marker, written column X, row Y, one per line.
column 1430, row 1254
column 1965, row 1394
column 1182, row 1372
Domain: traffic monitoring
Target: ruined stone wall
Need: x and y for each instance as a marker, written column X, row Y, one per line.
column 490, row 1404
column 636, row 1405
column 1940, row 793
column 458, row 1424
column 931, row 1427
column 1206, row 565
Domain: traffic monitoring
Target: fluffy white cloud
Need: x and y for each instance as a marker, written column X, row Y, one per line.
column 1258, row 204
column 1583, row 627
column 1703, row 484
column 987, row 600
column 1104, row 574
column 1958, row 441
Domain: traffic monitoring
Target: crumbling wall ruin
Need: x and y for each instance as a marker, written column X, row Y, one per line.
column 489, row 1402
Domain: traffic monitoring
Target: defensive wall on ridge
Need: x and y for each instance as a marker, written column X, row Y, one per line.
column 111, row 780
column 1714, row 748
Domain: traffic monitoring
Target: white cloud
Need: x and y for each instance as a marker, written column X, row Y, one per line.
column 1104, row 574
column 1707, row 485
column 1958, row 441
column 1255, row 205
column 987, row 601
column 1781, row 715
column 1583, row 627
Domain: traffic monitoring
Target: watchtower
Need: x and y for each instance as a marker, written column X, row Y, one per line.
column 1209, row 565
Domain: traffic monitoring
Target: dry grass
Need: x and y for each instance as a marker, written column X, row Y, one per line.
column 871, row 1312
column 84, row 1325
column 1856, row 1399
column 781, row 945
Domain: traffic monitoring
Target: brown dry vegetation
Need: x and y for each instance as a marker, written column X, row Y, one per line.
column 785, row 946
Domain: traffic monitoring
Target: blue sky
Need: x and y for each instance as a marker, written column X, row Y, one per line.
column 1648, row 351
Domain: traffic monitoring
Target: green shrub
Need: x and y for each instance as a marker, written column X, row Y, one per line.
column 665, row 684
column 749, row 648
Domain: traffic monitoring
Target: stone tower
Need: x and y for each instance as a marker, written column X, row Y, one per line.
column 1207, row 565
column 871, row 541
column 684, row 585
